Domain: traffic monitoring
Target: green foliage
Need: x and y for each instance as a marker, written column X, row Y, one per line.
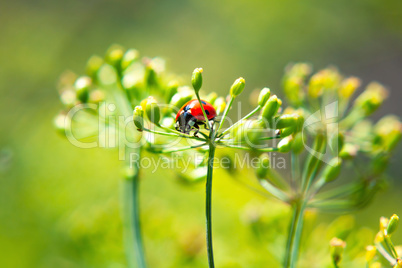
column 43, row 179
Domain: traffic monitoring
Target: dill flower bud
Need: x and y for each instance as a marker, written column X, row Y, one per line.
column 371, row 251
column 337, row 248
column 138, row 117
column 349, row 151
column 129, row 57
column 129, row 173
column 93, row 65
column 61, row 123
column 183, row 95
column 389, row 132
column 294, row 81
column 151, row 77
column 287, row 120
column 264, row 96
column 286, row 131
column 81, row 86
column 298, row 145
column 336, row 142
column 171, row 89
column 372, row 98
column 331, row 172
column 292, row 87
column 238, row 131
column 220, row 105
column 211, row 97
column 114, row 55
column 152, row 110
column 68, row 97
column 379, row 237
column 196, row 79
column 393, row 224
column 254, row 130
column 285, row 144
column 270, row 108
column 96, row 96
column 348, row 87
column 384, row 223
column 263, row 166
column 324, row 80
column 237, row 87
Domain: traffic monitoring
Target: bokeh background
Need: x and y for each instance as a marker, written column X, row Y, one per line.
column 60, row 205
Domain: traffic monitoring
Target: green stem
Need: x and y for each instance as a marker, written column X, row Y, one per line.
column 385, row 254
column 133, row 223
column 139, row 248
column 184, row 148
column 274, row 191
column 208, row 200
column 180, row 133
column 266, row 150
column 161, row 133
column 294, row 236
column 238, row 122
column 203, row 111
column 294, row 170
column 225, row 113
column 270, row 138
column 390, row 246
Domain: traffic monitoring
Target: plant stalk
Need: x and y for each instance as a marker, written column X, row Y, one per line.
column 294, row 236
column 133, row 235
column 208, row 200
column 138, row 244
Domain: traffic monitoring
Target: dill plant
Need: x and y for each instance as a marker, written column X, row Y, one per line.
column 338, row 155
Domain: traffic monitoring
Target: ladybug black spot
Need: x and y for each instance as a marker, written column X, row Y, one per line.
column 203, row 102
column 207, row 112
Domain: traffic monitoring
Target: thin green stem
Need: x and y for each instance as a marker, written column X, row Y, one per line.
column 294, row 236
column 161, row 133
column 311, row 167
column 270, row 138
column 278, row 180
column 353, row 117
column 297, row 236
column 291, row 236
column 390, row 246
column 132, row 204
column 266, row 150
column 208, row 200
column 181, row 134
column 238, row 122
column 139, row 248
column 225, row 113
column 173, row 150
column 133, row 223
column 274, row 190
column 385, row 254
column 203, row 111
column 294, row 170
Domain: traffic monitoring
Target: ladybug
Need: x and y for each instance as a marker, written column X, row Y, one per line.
column 190, row 116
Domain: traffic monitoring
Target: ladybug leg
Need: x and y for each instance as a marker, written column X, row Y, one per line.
column 177, row 126
column 197, row 129
column 202, row 124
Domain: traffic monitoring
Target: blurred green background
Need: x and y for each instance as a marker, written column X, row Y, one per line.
column 60, row 205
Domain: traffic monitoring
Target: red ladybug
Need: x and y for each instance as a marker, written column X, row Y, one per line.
column 190, row 116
